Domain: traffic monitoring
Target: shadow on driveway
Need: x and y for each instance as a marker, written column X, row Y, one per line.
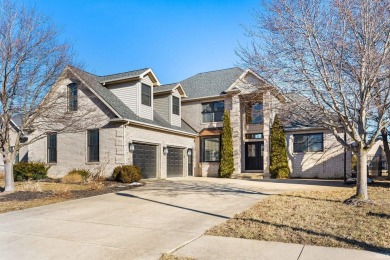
column 171, row 205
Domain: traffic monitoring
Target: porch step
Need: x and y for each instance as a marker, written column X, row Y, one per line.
column 252, row 176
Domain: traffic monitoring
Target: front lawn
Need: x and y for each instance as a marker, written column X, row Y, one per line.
column 317, row 218
column 30, row 194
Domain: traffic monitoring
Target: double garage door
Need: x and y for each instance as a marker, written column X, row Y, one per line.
column 145, row 156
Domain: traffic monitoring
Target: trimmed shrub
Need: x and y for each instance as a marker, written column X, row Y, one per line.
column 24, row 171
column 226, row 166
column 127, row 173
column 279, row 165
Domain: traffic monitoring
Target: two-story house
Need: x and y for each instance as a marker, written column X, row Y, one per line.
column 135, row 120
column 174, row 130
column 313, row 152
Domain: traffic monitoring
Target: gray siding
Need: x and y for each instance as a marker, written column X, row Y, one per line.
column 146, row 111
column 176, row 119
column 128, row 93
column 161, row 106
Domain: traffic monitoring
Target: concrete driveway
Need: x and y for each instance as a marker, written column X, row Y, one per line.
column 139, row 224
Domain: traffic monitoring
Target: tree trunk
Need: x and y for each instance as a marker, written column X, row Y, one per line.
column 387, row 149
column 9, row 176
column 361, row 185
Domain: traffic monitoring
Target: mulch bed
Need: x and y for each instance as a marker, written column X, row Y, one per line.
column 108, row 187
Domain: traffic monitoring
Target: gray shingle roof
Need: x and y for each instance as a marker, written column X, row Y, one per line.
column 164, row 88
column 212, row 83
column 124, row 111
column 122, row 75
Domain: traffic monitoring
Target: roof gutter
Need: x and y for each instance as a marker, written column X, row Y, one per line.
column 133, row 122
column 201, row 98
column 292, row 129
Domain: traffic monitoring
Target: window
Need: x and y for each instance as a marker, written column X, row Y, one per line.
column 211, row 149
column 176, row 105
column 93, row 145
column 254, row 136
column 308, row 143
column 52, row 147
column 254, row 113
column 146, row 97
column 72, row 97
column 213, row 111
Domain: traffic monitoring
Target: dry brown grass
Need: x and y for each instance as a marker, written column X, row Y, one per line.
column 317, row 218
column 72, row 179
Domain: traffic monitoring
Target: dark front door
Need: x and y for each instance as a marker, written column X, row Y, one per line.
column 144, row 155
column 190, row 164
column 254, row 156
column 175, row 162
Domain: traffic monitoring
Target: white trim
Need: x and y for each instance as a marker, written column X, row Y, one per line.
column 152, row 126
column 151, row 72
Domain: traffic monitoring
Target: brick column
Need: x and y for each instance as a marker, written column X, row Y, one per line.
column 266, row 130
column 235, row 118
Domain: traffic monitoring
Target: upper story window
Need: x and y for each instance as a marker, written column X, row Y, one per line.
column 308, row 143
column 213, row 111
column 146, row 95
column 72, row 97
column 254, row 113
column 211, row 147
column 175, row 105
column 52, row 147
column 93, row 145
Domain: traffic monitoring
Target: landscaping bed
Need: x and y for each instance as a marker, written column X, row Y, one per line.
column 318, row 218
column 37, row 193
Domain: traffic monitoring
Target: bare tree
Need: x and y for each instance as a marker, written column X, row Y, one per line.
column 32, row 60
column 335, row 54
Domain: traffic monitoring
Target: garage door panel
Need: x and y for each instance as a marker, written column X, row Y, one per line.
column 145, row 156
column 175, row 162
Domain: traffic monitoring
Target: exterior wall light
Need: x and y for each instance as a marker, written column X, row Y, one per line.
column 131, row 147
column 165, row 150
column 189, row 152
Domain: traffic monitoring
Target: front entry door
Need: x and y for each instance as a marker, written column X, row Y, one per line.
column 254, row 156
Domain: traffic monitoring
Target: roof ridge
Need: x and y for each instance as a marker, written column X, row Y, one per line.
column 219, row 70
column 108, row 75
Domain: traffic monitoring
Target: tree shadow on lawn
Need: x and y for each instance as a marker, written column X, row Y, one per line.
column 363, row 245
column 310, row 198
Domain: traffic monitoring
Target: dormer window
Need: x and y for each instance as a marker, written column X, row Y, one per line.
column 72, row 97
column 176, row 105
column 146, row 95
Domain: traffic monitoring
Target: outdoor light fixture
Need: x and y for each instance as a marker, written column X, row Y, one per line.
column 165, row 150
column 131, row 147
column 189, row 152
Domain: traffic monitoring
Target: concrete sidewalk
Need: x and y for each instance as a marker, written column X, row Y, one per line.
column 213, row 247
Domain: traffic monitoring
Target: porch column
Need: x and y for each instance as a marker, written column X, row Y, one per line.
column 266, row 130
column 235, row 118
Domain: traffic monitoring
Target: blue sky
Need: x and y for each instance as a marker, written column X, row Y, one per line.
column 175, row 38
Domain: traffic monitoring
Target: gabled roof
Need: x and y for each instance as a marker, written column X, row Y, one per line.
column 169, row 88
column 128, row 75
column 212, row 83
column 122, row 111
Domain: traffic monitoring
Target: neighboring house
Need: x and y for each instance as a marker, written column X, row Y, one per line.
column 175, row 129
column 377, row 164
